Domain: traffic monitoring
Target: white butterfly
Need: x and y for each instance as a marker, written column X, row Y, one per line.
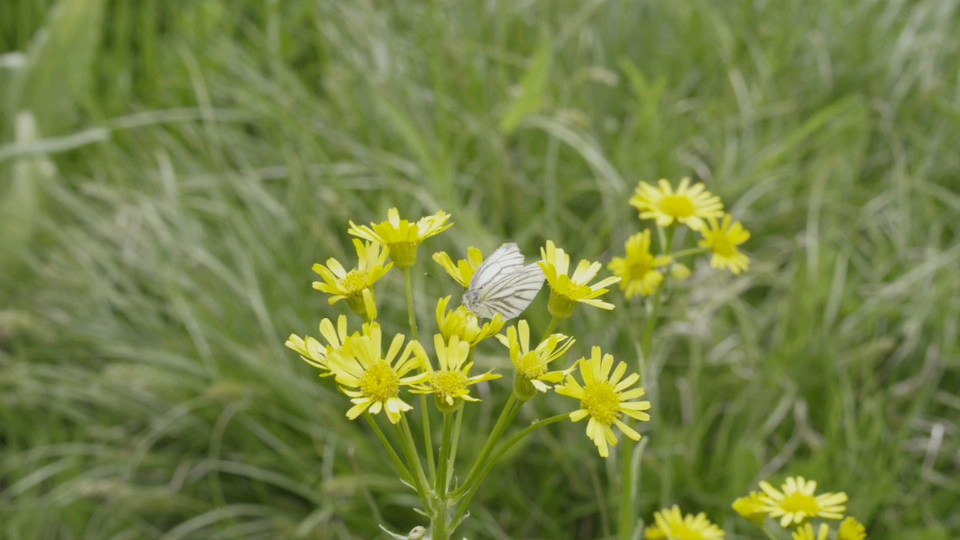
column 503, row 284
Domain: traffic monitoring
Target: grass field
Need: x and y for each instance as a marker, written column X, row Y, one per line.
column 169, row 172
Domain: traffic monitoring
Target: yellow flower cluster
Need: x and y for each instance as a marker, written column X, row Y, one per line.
column 795, row 504
column 374, row 379
column 690, row 206
column 792, row 507
column 672, row 524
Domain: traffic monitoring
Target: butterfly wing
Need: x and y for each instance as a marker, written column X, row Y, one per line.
column 502, row 284
column 506, row 260
column 511, row 294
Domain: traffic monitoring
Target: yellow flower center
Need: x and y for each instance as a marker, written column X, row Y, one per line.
column 721, row 245
column 798, row 502
column 682, row 531
column 531, row 366
column 677, row 206
column 354, row 282
column 601, row 401
column 448, row 383
column 639, row 266
column 380, row 382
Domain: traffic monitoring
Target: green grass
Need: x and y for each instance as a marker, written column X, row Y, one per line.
column 192, row 160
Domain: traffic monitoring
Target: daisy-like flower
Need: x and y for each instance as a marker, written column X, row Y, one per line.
column 751, row 507
column 688, row 205
column 605, row 396
column 638, row 270
column 671, row 524
column 315, row 354
column 722, row 239
column 371, row 380
column 805, row 532
column 464, row 324
column 851, row 529
column 533, row 366
column 463, row 271
column 355, row 286
column 567, row 290
column 797, row 502
column 451, row 383
column 401, row 236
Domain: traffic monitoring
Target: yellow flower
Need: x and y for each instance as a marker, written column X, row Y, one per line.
column 722, row 239
column 463, row 271
column 638, row 270
column 313, row 352
column 451, row 383
column 373, row 381
column 567, row 290
column 679, row 271
column 604, row 397
column 671, row 524
column 355, row 286
column 688, row 205
column 401, row 236
column 461, row 322
column 797, row 502
column 751, row 507
column 533, row 365
column 806, row 532
column 851, row 529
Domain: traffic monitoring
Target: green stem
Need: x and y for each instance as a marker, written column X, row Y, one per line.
column 632, row 452
column 453, row 448
column 628, row 468
column 424, row 411
column 625, row 513
column 646, row 339
column 769, row 534
column 413, row 462
column 554, row 322
column 666, row 243
column 411, row 314
column 688, row 252
column 465, row 501
column 427, row 434
column 502, row 422
column 439, row 485
column 404, row 472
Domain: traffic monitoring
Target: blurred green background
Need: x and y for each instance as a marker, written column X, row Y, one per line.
column 169, row 171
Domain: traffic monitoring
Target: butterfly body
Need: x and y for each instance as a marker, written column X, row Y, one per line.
column 503, row 284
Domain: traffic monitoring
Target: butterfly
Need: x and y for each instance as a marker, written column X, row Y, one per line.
column 502, row 284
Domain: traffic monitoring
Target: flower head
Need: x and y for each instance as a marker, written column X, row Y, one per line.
column 797, row 502
column 355, row 286
column 671, row 524
column 461, row 322
column 533, row 365
column 688, row 205
column 451, row 383
column 805, row 532
column 638, row 270
column 722, row 239
column 567, row 290
column 315, row 354
column 851, row 529
column 463, row 271
column 373, row 381
column 604, row 397
column 401, row 236
column 751, row 507
column 679, row 271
